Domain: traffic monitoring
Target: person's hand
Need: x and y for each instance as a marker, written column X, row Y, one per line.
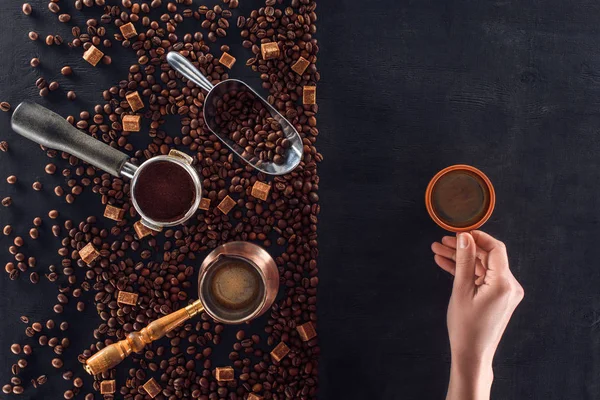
column 484, row 295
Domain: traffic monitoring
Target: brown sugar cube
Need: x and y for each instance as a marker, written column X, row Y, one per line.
column 224, row 374
column 114, row 213
column 253, row 396
column 269, row 51
column 300, row 65
column 226, row 204
column 108, row 387
column 309, row 95
column 227, row 60
column 127, row 298
column 260, row 190
column 93, row 55
column 280, row 351
column 135, row 101
column 88, row 253
column 128, row 30
column 204, row 203
column 132, row 123
column 306, row 331
column 152, row 388
column 141, row 229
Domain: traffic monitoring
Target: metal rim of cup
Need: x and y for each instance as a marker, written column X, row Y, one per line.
column 214, row 315
column 229, row 250
column 151, row 223
column 460, row 167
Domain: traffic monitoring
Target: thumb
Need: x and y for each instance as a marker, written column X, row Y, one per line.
column 464, row 279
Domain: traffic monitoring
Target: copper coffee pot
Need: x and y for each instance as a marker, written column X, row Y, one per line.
column 255, row 256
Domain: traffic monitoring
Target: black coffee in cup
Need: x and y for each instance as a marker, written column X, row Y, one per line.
column 232, row 289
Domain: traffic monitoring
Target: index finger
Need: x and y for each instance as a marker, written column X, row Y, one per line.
column 486, row 241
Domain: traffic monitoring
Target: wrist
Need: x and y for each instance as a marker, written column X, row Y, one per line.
column 470, row 378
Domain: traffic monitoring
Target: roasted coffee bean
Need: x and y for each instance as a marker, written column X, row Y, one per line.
column 5, row 106
column 35, row 62
column 7, row 201
column 53, row 85
column 50, row 169
column 64, row 17
column 37, row 186
column 33, row 35
column 11, row 179
column 49, row 40
column 71, row 95
column 4, row 143
column 66, row 70
column 245, row 119
column 15, row 348
column 26, row 9
column 53, row 7
column 57, row 363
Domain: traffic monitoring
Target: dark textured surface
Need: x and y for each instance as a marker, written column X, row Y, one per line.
column 510, row 87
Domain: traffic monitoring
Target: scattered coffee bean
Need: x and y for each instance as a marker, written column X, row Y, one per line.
column 37, row 186
column 15, row 348
column 5, row 106
column 27, row 9
column 4, row 144
column 33, row 35
column 49, row 40
column 7, row 201
column 57, row 363
column 33, row 232
column 71, row 95
column 35, row 62
column 50, row 169
column 7, row 230
column 64, row 18
column 11, row 179
column 66, row 70
column 53, row 86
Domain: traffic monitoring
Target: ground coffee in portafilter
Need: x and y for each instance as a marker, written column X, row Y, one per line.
column 233, row 288
column 460, row 198
column 164, row 191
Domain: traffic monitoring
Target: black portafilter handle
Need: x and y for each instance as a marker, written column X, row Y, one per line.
column 49, row 129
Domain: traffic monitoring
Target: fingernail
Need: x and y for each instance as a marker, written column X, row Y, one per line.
column 463, row 242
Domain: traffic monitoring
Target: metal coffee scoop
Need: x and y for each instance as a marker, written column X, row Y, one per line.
column 49, row 129
column 215, row 92
column 112, row 355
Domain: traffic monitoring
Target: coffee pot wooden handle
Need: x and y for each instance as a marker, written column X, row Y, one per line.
column 111, row 356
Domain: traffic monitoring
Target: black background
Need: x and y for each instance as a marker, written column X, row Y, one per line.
column 408, row 88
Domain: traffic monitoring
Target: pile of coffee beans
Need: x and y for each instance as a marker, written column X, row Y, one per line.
column 160, row 267
column 243, row 117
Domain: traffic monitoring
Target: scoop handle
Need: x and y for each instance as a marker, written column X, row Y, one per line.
column 49, row 129
column 182, row 65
